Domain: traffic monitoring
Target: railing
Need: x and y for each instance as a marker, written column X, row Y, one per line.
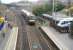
column 43, row 21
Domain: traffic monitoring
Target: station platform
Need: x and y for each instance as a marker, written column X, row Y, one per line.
column 62, row 41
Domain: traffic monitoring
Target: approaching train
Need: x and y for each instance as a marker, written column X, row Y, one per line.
column 30, row 18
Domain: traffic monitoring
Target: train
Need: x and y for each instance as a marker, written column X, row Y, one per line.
column 29, row 17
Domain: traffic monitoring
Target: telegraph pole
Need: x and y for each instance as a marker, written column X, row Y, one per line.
column 53, row 7
column 68, row 6
column 0, row 1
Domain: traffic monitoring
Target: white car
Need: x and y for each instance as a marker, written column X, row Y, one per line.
column 64, row 24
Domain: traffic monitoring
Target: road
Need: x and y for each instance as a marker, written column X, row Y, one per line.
column 30, row 37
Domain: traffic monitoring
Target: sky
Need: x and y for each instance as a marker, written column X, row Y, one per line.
column 10, row 1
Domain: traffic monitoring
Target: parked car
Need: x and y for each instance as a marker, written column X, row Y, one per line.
column 64, row 24
column 71, row 30
column 54, row 21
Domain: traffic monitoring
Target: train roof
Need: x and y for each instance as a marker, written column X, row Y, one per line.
column 27, row 12
column 47, row 15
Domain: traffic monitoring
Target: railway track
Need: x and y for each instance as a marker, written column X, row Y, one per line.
column 31, row 38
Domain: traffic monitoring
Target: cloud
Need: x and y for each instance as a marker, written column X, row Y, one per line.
column 9, row 1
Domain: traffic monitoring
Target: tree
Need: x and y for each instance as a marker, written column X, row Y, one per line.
column 71, row 10
column 38, row 10
column 47, row 8
column 58, row 7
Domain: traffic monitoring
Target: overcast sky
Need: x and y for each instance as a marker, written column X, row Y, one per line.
column 9, row 1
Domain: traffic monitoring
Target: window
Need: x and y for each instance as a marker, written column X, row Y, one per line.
column 65, row 22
